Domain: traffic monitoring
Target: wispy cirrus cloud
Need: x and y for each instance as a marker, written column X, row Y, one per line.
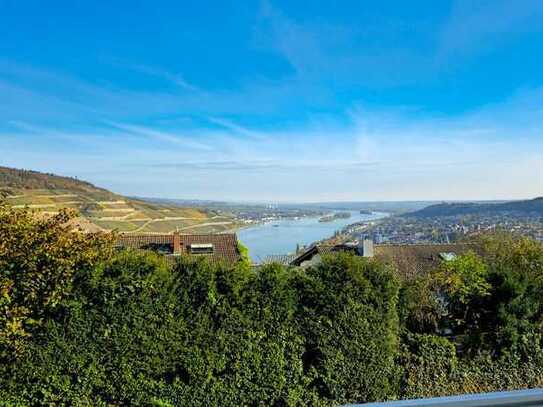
column 301, row 134
column 175, row 78
column 27, row 92
column 388, row 152
column 179, row 140
column 264, row 165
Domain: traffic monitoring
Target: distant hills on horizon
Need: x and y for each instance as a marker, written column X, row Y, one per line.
column 525, row 207
column 101, row 209
column 394, row 207
column 378, row 206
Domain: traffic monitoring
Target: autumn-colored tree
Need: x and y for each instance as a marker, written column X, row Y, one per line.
column 39, row 258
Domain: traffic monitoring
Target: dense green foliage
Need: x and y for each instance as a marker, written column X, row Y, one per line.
column 490, row 304
column 476, row 324
column 131, row 329
column 39, row 258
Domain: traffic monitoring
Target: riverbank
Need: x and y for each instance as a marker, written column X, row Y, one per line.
column 282, row 236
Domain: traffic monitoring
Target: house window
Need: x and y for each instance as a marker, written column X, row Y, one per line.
column 201, row 248
column 158, row 248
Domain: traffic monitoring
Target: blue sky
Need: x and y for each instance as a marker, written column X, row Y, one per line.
column 277, row 100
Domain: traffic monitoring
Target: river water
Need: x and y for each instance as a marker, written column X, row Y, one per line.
column 281, row 236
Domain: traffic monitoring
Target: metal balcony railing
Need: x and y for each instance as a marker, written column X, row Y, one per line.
column 503, row 399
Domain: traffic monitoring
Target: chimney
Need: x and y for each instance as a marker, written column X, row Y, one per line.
column 368, row 248
column 365, row 248
column 176, row 243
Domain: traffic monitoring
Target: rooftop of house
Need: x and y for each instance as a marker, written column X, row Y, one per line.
column 284, row 259
column 409, row 260
column 320, row 249
column 216, row 247
column 413, row 260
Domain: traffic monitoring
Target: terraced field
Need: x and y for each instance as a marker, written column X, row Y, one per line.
column 101, row 209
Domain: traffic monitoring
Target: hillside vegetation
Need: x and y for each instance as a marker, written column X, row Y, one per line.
column 81, row 324
column 101, row 209
column 529, row 207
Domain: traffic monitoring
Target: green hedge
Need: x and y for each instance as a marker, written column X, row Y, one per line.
column 135, row 332
column 432, row 369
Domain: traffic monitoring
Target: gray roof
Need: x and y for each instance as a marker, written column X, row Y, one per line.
column 284, row 259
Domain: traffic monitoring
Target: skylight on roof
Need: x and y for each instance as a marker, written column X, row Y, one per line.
column 201, row 248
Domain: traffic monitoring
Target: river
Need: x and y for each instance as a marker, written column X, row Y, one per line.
column 281, row 236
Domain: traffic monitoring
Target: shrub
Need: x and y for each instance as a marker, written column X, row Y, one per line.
column 112, row 344
column 38, row 259
column 428, row 362
column 348, row 316
column 432, row 370
column 516, row 266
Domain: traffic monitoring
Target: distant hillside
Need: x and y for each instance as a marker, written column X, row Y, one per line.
column 393, row 207
column 101, row 209
column 15, row 179
column 530, row 207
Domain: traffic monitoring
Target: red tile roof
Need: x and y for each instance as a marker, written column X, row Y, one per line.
column 225, row 246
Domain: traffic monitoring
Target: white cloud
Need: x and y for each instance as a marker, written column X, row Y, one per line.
column 183, row 141
column 375, row 155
